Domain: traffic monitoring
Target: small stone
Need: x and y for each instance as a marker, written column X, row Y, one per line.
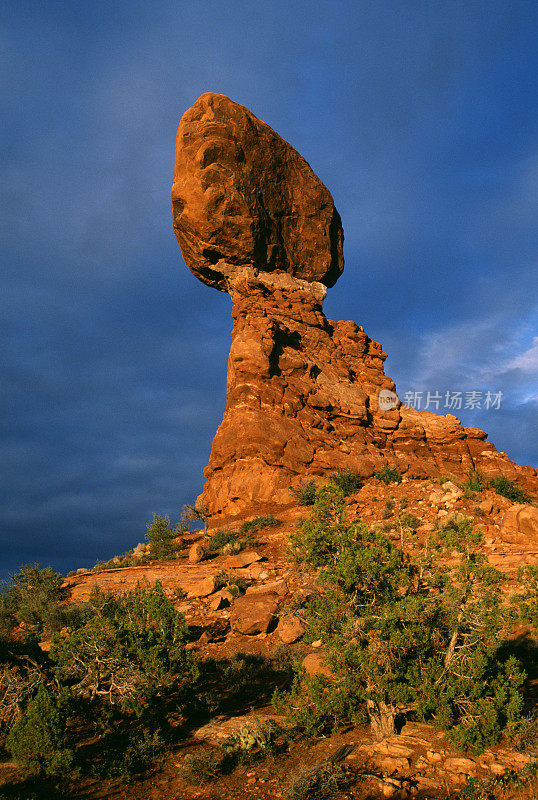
column 290, row 629
column 242, row 560
column 221, row 599
column 390, row 765
column 317, row 643
column 462, row 766
column 196, row 553
column 450, row 487
column 202, row 588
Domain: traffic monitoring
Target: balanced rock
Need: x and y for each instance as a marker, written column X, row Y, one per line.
column 305, row 395
column 242, row 196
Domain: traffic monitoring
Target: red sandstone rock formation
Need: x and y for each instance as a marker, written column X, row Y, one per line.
column 242, row 196
column 302, row 391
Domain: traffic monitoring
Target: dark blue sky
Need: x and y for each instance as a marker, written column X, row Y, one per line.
column 419, row 116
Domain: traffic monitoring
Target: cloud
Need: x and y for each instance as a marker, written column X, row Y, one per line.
column 526, row 361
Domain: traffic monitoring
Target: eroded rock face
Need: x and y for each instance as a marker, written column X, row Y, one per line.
column 242, row 196
column 304, row 394
column 303, row 401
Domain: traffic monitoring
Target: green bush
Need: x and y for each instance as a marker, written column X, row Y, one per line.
column 388, row 510
column 220, row 539
column 347, row 481
column 130, row 650
column 34, row 596
column 410, row 521
column 254, row 741
column 402, row 635
column 37, row 740
column 305, row 493
column 127, row 755
column 508, row 489
column 314, row 540
column 526, row 734
column 475, row 482
column 160, row 537
column 258, row 524
column 389, row 475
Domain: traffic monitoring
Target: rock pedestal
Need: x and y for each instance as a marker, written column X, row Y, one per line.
column 303, row 401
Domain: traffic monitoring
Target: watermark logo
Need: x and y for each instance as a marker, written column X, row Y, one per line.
column 387, row 400
column 472, row 400
column 453, row 401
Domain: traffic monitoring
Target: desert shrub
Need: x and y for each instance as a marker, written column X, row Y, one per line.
column 388, row 510
column 220, row 539
column 402, row 635
column 227, row 542
column 526, row 734
column 258, row 524
column 316, row 705
column 347, row 481
column 475, row 482
column 314, row 541
column 305, row 493
column 254, row 741
column 193, row 513
column 410, row 521
column 389, row 475
column 127, row 755
column 160, row 537
column 508, row 489
column 33, row 597
column 320, row 782
column 528, row 598
column 202, row 768
column 500, row 786
column 37, row 740
column 18, row 684
column 130, row 650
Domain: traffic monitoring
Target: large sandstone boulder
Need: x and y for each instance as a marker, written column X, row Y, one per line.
column 242, row 196
column 253, row 614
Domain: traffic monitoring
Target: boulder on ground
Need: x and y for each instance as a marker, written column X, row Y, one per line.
column 253, row 614
column 290, row 629
column 196, row 553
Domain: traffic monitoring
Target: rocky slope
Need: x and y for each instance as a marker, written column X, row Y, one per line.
column 266, row 621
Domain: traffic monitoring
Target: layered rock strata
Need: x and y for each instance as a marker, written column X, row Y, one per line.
column 303, row 400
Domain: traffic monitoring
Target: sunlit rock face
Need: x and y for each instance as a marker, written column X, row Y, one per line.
column 242, row 196
column 305, row 395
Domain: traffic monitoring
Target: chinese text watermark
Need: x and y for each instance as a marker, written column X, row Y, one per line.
column 447, row 401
